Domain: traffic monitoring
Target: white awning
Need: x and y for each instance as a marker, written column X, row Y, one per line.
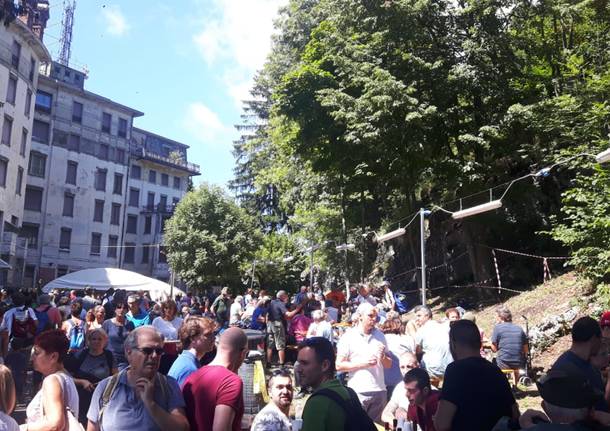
column 105, row 278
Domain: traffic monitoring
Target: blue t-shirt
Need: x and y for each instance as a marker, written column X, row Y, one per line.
column 139, row 320
column 570, row 362
column 116, row 339
column 125, row 410
column 185, row 364
column 258, row 312
column 510, row 339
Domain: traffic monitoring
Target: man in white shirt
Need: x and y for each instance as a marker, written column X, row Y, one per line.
column 399, row 403
column 274, row 416
column 363, row 352
column 432, row 338
column 236, row 310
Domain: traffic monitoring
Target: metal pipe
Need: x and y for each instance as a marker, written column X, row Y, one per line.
column 423, row 255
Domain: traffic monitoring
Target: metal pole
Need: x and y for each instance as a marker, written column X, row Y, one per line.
column 253, row 268
column 171, row 288
column 423, row 256
column 25, row 256
column 311, row 269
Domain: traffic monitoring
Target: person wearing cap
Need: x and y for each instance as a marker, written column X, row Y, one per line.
column 568, row 402
column 586, row 342
column 604, row 323
column 53, row 319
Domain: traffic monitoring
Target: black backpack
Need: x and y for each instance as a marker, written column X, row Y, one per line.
column 356, row 419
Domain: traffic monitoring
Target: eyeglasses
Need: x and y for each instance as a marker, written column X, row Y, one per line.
column 149, row 350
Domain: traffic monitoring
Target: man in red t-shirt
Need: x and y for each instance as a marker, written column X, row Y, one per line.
column 214, row 393
column 423, row 401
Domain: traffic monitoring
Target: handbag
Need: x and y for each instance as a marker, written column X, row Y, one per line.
column 71, row 423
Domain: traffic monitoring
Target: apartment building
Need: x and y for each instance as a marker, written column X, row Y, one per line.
column 98, row 190
column 21, row 55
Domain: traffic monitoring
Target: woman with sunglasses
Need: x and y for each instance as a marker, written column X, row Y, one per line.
column 117, row 329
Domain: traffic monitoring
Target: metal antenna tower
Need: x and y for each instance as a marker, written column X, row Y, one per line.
column 67, row 22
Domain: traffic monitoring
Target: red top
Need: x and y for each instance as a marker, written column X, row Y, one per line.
column 208, row 387
column 417, row 415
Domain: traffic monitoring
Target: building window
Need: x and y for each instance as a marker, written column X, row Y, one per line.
column 150, row 200
column 175, row 202
column 122, row 128
column 98, row 211
column 106, row 121
column 33, row 199
column 152, row 176
column 11, row 90
column 68, row 205
column 117, row 189
column 162, row 255
column 71, row 170
column 163, row 221
column 100, row 179
column 65, row 237
column 15, row 54
column 115, row 214
column 77, row 112
column 37, row 164
column 130, row 251
column 132, row 223
column 164, row 180
column 145, row 253
column 32, row 69
column 3, row 170
column 40, row 132
column 147, row 224
column 74, row 143
column 62, row 270
column 120, row 155
column 136, row 172
column 163, row 202
column 44, row 101
column 103, row 152
column 96, row 243
column 28, row 103
column 7, row 130
column 19, row 184
column 30, row 232
column 134, row 197
column 113, row 241
column 24, row 142
column 177, row 183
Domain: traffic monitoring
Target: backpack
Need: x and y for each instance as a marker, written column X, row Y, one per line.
column 23, row 331
column 401, row 303
column 76, row 335
column 114, row 382
column 356, row 419
column 43, row 320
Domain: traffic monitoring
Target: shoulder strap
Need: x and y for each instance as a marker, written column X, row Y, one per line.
column 106, row 395
column 328, row 393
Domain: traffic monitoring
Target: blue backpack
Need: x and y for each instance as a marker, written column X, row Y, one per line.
column 76, row 336
column 43, row 320
column 401, row 303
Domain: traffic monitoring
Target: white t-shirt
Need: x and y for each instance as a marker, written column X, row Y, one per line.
column 369, row 298
column 7, row 423
column 321, row 329
column 235, row 313
column 358, row 347
column 433, row 338
column 34, row 410
column 167, row 328
column 271, row 418
column 399, row 396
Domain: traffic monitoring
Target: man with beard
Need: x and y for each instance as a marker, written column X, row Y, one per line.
column 274, row 416
column 138, row 398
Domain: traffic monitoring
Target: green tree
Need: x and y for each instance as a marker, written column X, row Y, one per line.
column 209, row 237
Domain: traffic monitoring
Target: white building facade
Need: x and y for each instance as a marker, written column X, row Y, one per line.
column 21, row 55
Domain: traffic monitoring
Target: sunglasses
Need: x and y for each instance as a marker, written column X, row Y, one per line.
column 149, row 350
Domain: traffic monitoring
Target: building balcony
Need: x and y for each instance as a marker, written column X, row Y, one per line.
column 191, row 168
column 158, row 208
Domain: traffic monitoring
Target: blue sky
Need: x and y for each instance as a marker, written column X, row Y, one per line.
column 185, row 63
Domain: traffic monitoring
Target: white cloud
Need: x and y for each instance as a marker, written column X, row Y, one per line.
column 116, row 24
column 205, row 125
column 240, row 38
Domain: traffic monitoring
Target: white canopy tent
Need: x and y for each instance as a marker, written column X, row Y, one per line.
column 105, row 278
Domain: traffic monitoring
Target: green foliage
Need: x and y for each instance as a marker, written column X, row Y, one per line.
column 209, row 238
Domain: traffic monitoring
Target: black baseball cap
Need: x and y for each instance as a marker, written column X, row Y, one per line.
column 566, row 389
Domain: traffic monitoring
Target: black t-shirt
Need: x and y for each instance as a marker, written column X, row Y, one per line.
column 277, row 309
column 480, row 392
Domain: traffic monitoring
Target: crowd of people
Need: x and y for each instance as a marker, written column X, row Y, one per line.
column 118, row 361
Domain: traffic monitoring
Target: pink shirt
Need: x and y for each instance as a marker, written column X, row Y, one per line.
column 299, row 326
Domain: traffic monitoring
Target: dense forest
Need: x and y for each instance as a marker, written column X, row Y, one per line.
column 366, row 111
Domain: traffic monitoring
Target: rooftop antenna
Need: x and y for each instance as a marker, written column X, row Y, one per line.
column 67, row 23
